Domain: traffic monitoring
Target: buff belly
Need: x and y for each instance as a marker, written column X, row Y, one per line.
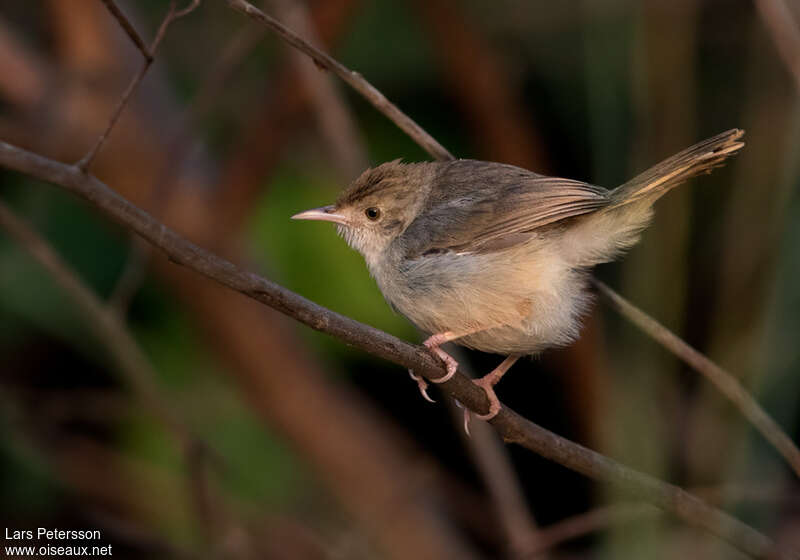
column 531, row 306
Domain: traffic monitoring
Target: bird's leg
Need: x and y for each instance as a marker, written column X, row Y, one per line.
column 432, row 343
column 487, row 383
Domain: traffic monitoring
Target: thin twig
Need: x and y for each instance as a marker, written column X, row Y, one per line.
column 727, row 384
column 785, row 32
column 353, row 79
column 148, row 53
column 128, row 27
column 511, row 426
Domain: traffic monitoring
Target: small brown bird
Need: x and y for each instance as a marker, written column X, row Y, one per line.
column 495, row 257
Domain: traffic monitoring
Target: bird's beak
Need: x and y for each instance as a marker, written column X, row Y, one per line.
column 325, row 213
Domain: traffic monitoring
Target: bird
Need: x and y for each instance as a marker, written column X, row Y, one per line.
column 494, row 257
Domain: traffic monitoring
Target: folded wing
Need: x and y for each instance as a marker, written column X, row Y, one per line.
column 477, row 206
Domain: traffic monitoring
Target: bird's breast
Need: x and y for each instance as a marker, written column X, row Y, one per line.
column 522, row 300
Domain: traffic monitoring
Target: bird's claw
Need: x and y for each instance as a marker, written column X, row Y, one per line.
column 494, row 405
column 450, row 363
column 422, row 384
column 487, row 384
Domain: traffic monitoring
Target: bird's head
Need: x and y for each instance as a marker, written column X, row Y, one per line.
column 377, row 207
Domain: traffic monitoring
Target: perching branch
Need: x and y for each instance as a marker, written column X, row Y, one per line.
column 147, row 52
column 512, row 427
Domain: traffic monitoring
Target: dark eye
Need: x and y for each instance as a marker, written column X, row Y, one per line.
column 373, row 213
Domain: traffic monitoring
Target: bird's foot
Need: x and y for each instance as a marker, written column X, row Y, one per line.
column 487, row 383
column 432, row 344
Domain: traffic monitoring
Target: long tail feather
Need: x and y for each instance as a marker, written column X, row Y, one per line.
column 700, row 158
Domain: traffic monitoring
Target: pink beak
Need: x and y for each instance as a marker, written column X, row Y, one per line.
column 325, row 213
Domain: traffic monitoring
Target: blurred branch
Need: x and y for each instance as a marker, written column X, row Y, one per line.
column 353, row 79
column 147, row 52
column 132, row 363
column 509, row 424
column 497, row 472
column 335, row 121
column 591, row 521
column 727, row 384
column 482, row 86
column 785, row 32
column 179, row 146
column 131, row 278
column 605, row 517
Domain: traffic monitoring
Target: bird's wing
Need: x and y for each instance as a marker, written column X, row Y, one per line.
column 483, row 207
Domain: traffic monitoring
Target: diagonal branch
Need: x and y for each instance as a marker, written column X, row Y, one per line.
column 353, row 79
column 128, row 27
column 134, row 367
column 511, row 426
column 727, row 384
column 147, row 52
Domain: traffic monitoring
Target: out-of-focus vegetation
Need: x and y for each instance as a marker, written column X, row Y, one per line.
column 596, row 90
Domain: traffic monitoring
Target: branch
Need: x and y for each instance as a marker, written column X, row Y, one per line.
column 727, row 384
column 511, row 426
column 353, row 79
column 147, row 52
column 604, row 517
column 580, row 525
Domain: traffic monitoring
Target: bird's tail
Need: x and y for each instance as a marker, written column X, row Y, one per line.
column 601, row 235
column 700, row 158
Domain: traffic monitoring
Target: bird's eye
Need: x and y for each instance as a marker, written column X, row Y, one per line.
column 373, row 213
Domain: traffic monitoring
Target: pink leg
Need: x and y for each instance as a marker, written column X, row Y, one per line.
column 433, row 342
column 487, row 383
